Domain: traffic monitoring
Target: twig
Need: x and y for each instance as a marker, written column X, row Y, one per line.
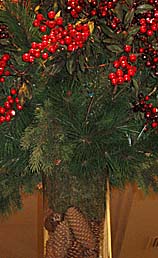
column 153, row 91
column 89, row 108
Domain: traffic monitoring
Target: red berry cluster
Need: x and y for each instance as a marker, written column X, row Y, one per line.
column 150, row 112
column 3, row 64
column 4, row 34
column 8, row 109
column 90, row 8
column 75, row 7
column 124, row 68
column 149, row 24
column 70, row 38
column 150, row 57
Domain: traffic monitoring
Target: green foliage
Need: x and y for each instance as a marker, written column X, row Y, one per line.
column 76, row 129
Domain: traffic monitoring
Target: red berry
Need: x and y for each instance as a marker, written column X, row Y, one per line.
column 70, row 48
column 123, row 63
column 43, row 28
column 150, row 105
column 31, row 59
column 59, row 21
column 154, row 124
column 7, row 118
column 19, row 107
column 114, row 81
column 26, row 57
column 51, row 15
column 123, row 58
column 36, row 23
column 13, row 91
column 149, row 33
column 7, row 105
column 131, row 72
column 119, row 72
column 112, row 76
column 154, row 27
column 10, row 99
column 120, row 80
column 34, row 45
column 143, row 29
column 7, row 73
column 17, row 100
column 45, row 56
column 127, row 77
column 2, row 79
column 154, row 110
column 51, row 24
column 93, row 12
column 146, row 98
column 132, row 57
column 78, row 9
column 141, row 50
column 12, row 112
column 2, row 110
column 37, row 54
column 5, row 57
column 116, row 64
column 67, row 40
column 39, row 17
column 2, row 119
column 127, row 48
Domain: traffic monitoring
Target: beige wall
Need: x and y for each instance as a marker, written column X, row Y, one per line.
column 20, row 234
column 134, row 223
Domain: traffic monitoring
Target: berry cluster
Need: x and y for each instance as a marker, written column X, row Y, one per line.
column 149, row 24
column 124, row 68
column 75, row 7
column 3, row 64
column 150, row 112
column 8, row 109
column 4, row 34
column 90, row 8
column 150, row 57
column 56, row 37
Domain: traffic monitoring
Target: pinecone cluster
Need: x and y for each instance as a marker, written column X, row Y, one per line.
column 72, row 237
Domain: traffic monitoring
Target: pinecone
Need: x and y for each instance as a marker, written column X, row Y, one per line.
column 96, row 229
column 90, row 253
column 52, row 220
column 59, row 242
column 80, row 228
column 75, row 250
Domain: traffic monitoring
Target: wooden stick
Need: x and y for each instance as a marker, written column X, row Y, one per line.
column 107, row 245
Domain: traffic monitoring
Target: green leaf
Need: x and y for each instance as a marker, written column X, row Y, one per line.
column 129, row 40
column 108, row 32
column 133, row 30
column 81, row 63
column 119, row 11
column 129, row 2
column 115, row 48
column 129, row 17
column 71, row 65
column 136, row 86
column 144, row 8
column 109, row 41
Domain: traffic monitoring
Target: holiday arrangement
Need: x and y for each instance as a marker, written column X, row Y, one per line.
column 78, row 104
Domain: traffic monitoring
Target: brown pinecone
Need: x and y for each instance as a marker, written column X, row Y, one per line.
column 80, row 228
column 90, row 254
column 75, row 250
column 96, row 229
column 52, row 220
column 58, row 242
